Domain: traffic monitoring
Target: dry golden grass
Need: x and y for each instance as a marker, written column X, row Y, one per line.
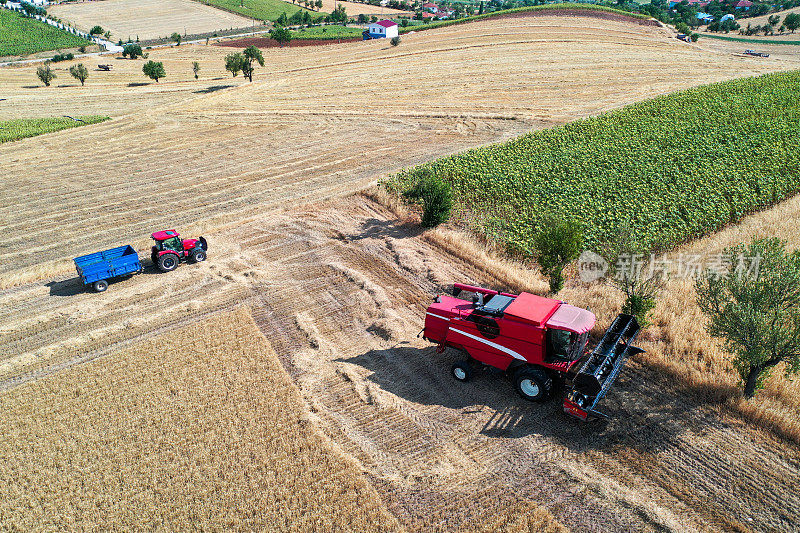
column 676, row 342
column 312, row 125
column 354, row 9
column 197, row 429
column 340, row 288
column 149, row 19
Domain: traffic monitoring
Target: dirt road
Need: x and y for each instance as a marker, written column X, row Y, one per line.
column 339, row 291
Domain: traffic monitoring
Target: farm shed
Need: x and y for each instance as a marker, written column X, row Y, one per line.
column 381, row 29
column 727, row 17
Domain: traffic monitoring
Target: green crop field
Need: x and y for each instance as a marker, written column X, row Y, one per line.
column 665, row 170
column 13, row 130
column 745, row 40
column 327, row 32
column 258, row 9
column 21, row 36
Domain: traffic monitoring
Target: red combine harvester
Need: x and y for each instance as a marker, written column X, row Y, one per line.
column 170, row 249
column 535, row 340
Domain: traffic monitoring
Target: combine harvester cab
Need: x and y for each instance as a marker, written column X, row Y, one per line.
column 537, row 341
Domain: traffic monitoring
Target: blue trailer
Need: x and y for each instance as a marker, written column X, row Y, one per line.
column 97, row 268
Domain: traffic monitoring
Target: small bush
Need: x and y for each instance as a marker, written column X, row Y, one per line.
column 395, row 41
column 436, row 198
column 558, row 243
column 63, row 57
column 131, row 50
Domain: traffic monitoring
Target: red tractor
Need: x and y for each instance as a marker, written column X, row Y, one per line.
column 170, row 249
column 537, row 341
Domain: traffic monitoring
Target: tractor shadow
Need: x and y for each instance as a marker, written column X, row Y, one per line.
column 646, row 411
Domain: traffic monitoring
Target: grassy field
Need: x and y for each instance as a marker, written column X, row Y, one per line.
column 327, row 32
column 267, row 10
column 195, row 429
column 22, row 36
column 748, row 39
column 13, row 130
column 666, row 174
column 148, row 19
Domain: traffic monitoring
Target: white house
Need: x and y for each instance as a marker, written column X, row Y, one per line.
column 383, row 29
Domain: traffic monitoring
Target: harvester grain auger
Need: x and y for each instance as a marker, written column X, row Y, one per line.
column 537, row 341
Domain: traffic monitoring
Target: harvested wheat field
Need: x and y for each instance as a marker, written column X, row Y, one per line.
column 149, row 19
column 353, row 9
column 200, row 428
column 303, row 320
column 311, row 126
column 339, row 289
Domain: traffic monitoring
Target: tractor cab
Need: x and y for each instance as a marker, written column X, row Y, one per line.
column 168, row 240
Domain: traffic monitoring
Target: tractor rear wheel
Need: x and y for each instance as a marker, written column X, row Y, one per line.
column 198, row 255
column 100, row 286
column 167, row 262
column 462, row 370
column 533, row 384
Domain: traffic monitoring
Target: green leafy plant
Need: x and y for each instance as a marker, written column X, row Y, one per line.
column 132, row 50
column 557, row 243
column 154, row 70
column 756, row 311
column 45, row 74
column 435, row 196
column 79, row 72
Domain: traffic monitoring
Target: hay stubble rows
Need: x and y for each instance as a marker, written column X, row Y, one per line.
column 317, row 123
column 338, row 286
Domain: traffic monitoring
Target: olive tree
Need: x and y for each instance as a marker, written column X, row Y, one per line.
column 195, row 68
column 755, row 309
column 79, row 72
column 154, row 70
column 234, row 63
column 251, row 53
column 132, row 50
column 792, row 21
column 435, row 196
column 46, row 74
column 635, row 274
